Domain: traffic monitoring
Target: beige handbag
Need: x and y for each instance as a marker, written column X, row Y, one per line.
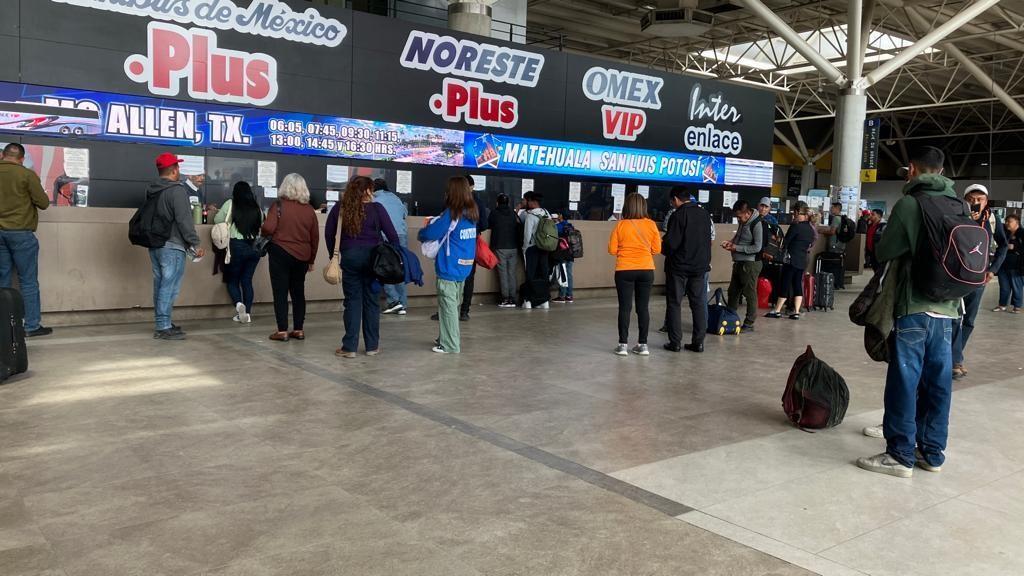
column 332, row 272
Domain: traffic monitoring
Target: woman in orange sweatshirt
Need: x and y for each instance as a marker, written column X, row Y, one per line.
column 634, row 242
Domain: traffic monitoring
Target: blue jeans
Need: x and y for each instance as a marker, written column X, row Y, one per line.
column 566, row 292
column 362, row 307
column 962, row 330
column 1011, row 288
column 397, row 292
column 238, row 274
column 168, row 271
column 918, row 388
column 19, row 250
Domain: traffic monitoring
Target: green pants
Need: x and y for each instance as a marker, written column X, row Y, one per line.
column 449, row 300
column 744, row 282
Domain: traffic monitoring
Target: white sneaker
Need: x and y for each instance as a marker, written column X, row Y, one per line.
column 402, row 311
column 873, row 431
column 545, row 306
column 885, row 464
column 923, row 464
column 439, row 350
column 235, row 318
column 622, row 350
column 392, row 307
column 241, row 314
column 527, row 305
column 641, row 350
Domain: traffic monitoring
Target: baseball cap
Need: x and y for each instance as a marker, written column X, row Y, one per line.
column 166, row 160
column 976, row 188
column 766, row 201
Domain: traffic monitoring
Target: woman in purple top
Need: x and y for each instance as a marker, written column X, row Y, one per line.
column 361, row 226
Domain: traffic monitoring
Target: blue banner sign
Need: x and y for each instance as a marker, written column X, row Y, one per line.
column 105, row 116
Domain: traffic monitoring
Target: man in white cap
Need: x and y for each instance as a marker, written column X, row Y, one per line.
column 976, row 196
column 764, row 209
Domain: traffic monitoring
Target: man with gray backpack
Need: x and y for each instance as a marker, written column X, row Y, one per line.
column 540, row 237
column 934, row 257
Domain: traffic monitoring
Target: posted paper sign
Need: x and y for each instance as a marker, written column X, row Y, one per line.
column 403, row 185
column 729, row 198
column 703, row 196
column 574, row 206
column 333, row 195
column 337, row 174
column 644, row 191
column 619, row 191
column 270, row 192
column 479, row 182
column 574, row 191
column 266, row 173
column 527, row 185
column 76, row 162
column 192, row 165
column 620, row 200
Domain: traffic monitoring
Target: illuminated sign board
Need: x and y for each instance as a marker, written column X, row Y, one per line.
column 106, row 116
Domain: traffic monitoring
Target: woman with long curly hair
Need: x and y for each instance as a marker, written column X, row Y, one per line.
column 361, row 224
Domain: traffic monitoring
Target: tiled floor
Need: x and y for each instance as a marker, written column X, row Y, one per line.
column 535, row 452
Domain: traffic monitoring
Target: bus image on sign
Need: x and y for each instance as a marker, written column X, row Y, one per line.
column 41, row 118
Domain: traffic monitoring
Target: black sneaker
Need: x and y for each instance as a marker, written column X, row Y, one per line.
column 663, row 329
column 177, row 329
column 698, row 348
column 392, row 308
column 434, row 317
column 671, row 347
column 41, row 331
column 168, row 335
column 464, row 317
column 747, row 328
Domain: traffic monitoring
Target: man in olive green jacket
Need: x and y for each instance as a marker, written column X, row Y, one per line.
column 919, row 382
column 21, row 198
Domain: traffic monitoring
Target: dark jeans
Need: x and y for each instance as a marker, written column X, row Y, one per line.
column 19, row 250
column 695, row 291
column 1011, row 288
column 744, row 282
column 918, row 388
column 467, row 291
column 963, row 329
column 238, row 274
column 287, row 276
column 630, row 284
column 362, row 306
column 538, row 272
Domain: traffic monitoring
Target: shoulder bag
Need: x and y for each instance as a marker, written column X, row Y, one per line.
column 332, row 272
column 262, row 244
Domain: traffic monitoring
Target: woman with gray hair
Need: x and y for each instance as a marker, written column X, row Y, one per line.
column 295, row 232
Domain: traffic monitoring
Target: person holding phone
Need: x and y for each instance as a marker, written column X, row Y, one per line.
column 1011, row 273
column 976, row 197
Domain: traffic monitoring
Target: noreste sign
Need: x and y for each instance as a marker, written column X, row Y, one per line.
column 270, row 18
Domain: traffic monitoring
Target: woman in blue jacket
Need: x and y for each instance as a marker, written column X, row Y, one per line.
column 455, row 230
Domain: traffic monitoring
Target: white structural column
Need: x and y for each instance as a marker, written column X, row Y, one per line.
column 972, row 68
column 470, row 16
column 851, row 110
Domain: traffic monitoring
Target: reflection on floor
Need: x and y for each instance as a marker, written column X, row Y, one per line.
column 535, row 452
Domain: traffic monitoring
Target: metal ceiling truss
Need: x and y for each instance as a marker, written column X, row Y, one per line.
column 935, row 94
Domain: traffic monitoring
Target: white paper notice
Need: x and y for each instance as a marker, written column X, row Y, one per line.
column 727, row 200
column 270, row 192
column 193, row 200
column 83, row 196
column 337, row 174
column 620, row 200
column 574, row 206
column 333, row 196
column 404, row 182
column 76, row 162
column 527, row 185
column 703, row 196
column 266, row 173
column 574, row 191
column 192, row 165
column 644, row 191
column 479, row 182
column 619, row 191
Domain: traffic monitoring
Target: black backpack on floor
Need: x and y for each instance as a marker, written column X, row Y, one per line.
column 952, row 254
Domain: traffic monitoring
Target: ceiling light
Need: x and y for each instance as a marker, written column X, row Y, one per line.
column 648, row 6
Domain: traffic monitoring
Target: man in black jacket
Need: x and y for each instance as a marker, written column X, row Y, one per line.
column 505, row 241
column 687, row 250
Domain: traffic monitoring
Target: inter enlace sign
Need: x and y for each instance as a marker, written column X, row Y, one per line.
column 271, row 18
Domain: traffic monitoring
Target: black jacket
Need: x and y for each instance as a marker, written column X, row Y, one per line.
column 687, row 243
column 503, row 225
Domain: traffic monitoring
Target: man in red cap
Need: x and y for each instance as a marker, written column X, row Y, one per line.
column 169, row 260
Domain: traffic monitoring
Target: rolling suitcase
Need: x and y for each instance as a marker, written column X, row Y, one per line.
column 824, row 289
column 809, row 293
column 835, row 264
column 13, row 353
